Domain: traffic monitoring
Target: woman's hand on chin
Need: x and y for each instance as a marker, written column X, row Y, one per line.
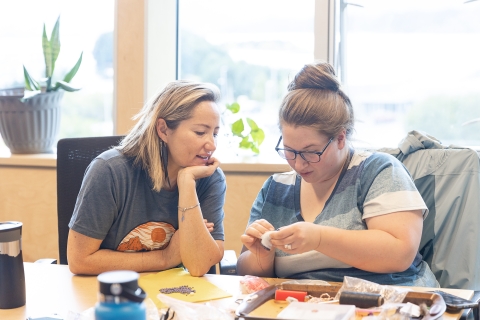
column 198, row 172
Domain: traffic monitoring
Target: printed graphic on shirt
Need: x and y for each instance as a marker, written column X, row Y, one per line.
column 148, row 236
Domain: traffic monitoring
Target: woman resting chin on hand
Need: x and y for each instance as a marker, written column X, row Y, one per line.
column 156, row 200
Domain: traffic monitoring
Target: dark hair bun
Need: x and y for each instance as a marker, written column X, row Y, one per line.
column 318, row 75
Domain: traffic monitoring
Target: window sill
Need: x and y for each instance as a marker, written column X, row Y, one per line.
column 50, row 161
column 254, row 167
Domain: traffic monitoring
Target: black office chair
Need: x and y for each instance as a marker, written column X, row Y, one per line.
column 73, row 157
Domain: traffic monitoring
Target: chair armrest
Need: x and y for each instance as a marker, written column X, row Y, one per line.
column 228, row 265
column 476, row 298
column 468, row 313
column 48, row 261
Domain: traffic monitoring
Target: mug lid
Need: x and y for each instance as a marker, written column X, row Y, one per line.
column 10, row 225
column 122, row 283
column 10, row 231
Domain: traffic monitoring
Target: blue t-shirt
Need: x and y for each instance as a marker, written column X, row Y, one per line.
column 372, row 185
column 117, row 204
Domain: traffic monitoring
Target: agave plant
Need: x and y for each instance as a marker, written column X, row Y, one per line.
column 51, row 49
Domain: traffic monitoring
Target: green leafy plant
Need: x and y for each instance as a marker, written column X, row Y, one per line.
column 251, row 140
column 51, row 49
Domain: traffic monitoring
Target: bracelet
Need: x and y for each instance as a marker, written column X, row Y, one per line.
column 187, row 208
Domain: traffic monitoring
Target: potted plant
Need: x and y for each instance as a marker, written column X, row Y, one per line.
column 30, row 116
column 250, row 140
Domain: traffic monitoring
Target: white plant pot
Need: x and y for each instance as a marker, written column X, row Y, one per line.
column 31, row 126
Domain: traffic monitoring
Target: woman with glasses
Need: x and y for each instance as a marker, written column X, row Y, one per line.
column 340, row 212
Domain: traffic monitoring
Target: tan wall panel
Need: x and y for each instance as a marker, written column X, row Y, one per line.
column 242, row 189
column 28, row 195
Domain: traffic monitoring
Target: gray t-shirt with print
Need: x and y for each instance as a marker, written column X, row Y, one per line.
column 117, row 204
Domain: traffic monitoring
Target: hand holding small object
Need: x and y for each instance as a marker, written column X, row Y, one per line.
column 253, row 236
column 297, row 238
column 266, row 240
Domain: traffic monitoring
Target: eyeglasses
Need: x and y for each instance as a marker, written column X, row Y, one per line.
column 309, row 156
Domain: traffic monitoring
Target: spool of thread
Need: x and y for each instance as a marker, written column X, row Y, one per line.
column 361, row 299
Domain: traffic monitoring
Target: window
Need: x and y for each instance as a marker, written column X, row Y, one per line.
column 84, row 26
column 251, row 50
column 411, row 65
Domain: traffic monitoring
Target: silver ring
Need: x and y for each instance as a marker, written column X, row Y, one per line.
column 288, row 246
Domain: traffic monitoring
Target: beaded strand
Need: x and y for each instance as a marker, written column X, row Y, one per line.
column 186, row 290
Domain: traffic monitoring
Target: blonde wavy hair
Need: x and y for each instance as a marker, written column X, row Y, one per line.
column 315, row 99
column 175, row 103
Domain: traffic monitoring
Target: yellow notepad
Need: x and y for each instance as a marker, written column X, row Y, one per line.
column 179, row 277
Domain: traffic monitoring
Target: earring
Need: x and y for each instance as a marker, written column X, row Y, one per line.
column 164, row 157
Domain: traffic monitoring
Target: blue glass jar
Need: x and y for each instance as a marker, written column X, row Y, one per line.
column 120, row 297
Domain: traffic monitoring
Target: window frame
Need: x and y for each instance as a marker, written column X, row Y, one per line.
column 134, row 25
column 148, row 29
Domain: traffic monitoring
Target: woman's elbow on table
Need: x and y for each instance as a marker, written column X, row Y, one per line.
column 77, row 266
column 74, row 268
column 198, row 268
column 198, row 272
column 79, row 250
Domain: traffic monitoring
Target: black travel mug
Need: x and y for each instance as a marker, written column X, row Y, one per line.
column 12, row 274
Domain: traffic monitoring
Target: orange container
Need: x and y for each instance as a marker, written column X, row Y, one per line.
column 284, row 294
